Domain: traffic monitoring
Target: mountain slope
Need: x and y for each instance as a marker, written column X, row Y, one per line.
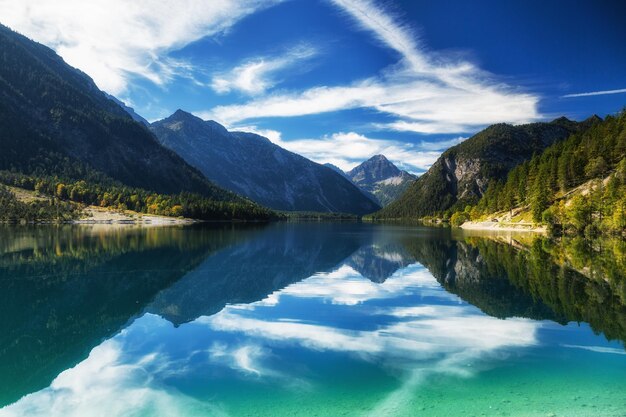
column 253, row 166
column 462, row 173
column 575, row 186
column 55, row 121
column 381, row 178
column 337, row 170
column 131, row 112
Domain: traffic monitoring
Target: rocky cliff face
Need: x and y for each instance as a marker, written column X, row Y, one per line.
column 252, row 166
column 462, row 173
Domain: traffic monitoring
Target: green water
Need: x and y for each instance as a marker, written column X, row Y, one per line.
column 309, row 320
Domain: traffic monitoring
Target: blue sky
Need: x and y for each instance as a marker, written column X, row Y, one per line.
column 341, row 80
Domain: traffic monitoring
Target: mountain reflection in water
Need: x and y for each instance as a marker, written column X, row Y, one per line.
column 269, row 295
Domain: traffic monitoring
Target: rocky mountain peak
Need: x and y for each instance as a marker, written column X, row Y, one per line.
column 377, row 168
column 182, row 120
column 380, row 178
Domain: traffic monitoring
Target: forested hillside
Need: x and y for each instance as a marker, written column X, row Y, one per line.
column 12, row 210
column 462, row 173
column 61, row 134
column 54, row 120
column 576, row 185
column 59, row 193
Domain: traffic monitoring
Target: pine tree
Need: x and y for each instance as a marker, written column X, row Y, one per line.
column 539, row 197
column 563, row 171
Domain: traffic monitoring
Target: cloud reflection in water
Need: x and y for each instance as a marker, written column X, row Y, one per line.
column 406, row 325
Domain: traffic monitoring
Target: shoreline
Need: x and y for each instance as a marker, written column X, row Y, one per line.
column 96, row 215
column 504, row 227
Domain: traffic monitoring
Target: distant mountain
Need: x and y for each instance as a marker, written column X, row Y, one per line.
column 252, row 166
column 461, row 174
column 381, row 178
column 136, row 117
column 338, row 170
column 55, row 121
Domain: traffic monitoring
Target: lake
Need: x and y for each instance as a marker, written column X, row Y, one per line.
column 309, row 319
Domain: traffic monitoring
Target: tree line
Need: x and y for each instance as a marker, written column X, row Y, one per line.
column 120, row 197
column 576, row 186
column 46, row 210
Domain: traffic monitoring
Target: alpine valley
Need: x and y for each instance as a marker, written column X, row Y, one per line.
column 356, row 208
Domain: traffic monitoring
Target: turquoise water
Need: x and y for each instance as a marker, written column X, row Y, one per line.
column 306, row 320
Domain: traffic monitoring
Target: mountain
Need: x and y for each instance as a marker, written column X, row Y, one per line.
column 136, row 117
column 574, row 186
column 54, row 121
column 381, row 178
column 252, row 166
column 338, row 170
column 462, row 173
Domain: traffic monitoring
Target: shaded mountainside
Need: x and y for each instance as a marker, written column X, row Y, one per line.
column 462, row 173
column 252, row 166
column 55, row 121
column 136, row 117
column 381, row 178
column 337, row 170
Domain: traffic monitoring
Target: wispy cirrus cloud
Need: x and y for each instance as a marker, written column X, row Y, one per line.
column 595, row 93
column 420, row 105
column 427, row 92
column 114, row 40
column 257, row 75
column 387, row 29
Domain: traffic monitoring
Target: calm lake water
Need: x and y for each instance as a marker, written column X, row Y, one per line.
column 308, row 320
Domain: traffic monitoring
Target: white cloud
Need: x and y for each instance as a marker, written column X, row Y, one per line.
column 420, row 105
column 313, row 101
column 386, row 29
column 112, row 40
column 348, row 149
column 595, row 93
column 440, row 145
column 273, row 135
column 256, row 75
column 427, row 92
